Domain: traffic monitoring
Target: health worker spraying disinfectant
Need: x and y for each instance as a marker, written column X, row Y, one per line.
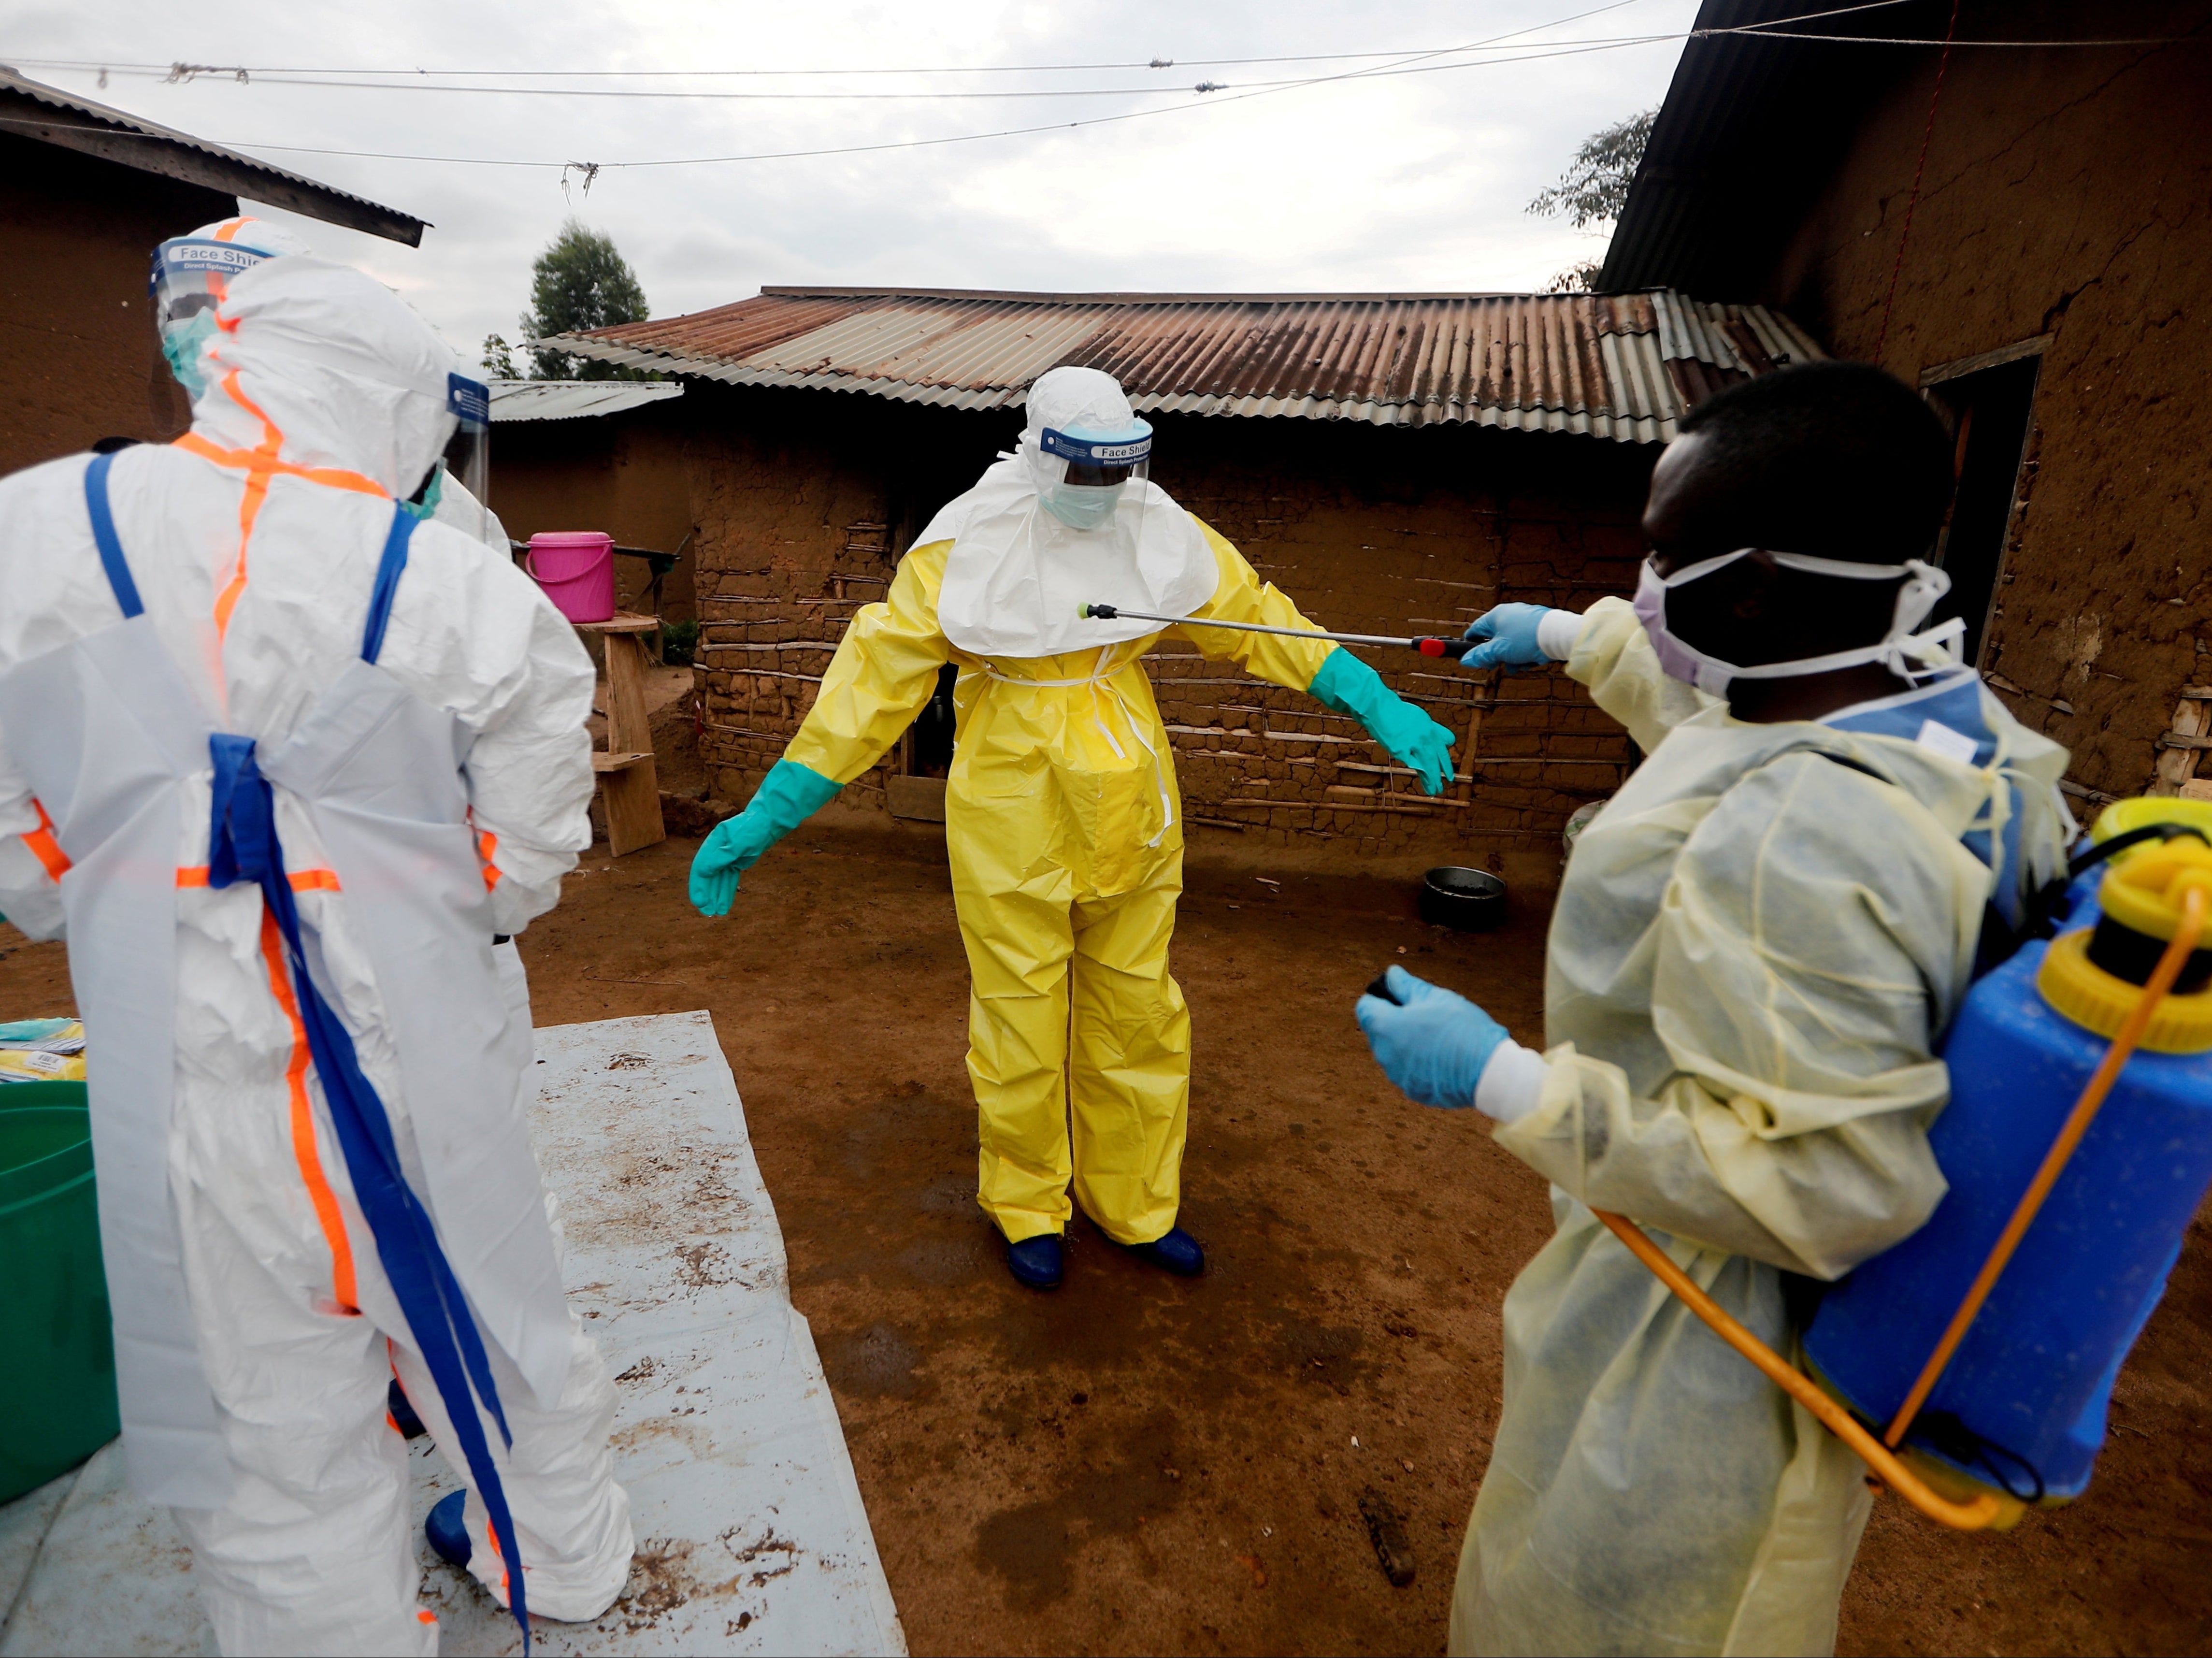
column 1062, row 818
column 1757, row 947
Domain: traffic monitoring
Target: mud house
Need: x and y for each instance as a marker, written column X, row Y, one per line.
column 2025, row 232
column 87, row 192
column 1397, row 463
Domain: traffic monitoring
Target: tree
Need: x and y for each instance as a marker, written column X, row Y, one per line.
column 580, row 281
column 1594, row 189
column 499, row 358
column 1596, row 185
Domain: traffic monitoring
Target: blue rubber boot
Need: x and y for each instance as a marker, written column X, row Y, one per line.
column 1178, row 1252
column 1036, row 1261
column 448, row 1537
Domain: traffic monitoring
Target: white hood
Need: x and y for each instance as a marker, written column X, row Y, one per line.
column 331, row 366
column 1016, row 577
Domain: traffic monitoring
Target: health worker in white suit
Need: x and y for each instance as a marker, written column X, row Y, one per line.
column 280, row 760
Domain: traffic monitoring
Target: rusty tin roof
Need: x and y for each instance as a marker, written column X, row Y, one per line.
column 1619, row 366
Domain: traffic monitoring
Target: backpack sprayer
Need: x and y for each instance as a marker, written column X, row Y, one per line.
column 1426, row 643
column 1989, row 1341
column 1972, row 1365
column 2077, row 1143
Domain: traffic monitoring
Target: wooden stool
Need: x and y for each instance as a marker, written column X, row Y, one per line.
column 630, row 788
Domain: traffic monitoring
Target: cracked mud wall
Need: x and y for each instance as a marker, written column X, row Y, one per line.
column 804, row 501
column 2068, row 194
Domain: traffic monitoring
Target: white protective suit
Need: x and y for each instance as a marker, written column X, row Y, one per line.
column 1756, row 944
column 255, row 1327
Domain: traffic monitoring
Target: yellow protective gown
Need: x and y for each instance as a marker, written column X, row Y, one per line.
column 1064, row 834
column 1754, row 951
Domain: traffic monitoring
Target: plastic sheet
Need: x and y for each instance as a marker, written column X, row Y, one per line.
column 752, row 1534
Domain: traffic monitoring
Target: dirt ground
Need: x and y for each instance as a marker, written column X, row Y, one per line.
column 1141, row 1464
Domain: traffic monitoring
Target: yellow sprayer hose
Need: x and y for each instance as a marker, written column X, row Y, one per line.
column 1879, row 1455
column 1966, row 1516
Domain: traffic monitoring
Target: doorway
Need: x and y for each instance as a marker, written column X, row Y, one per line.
column 929, row 740
column 915, row 787
column 1990, row 410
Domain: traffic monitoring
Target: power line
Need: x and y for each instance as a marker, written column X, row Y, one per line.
column 276, row 79
column 591, row 169
column 187, row 73
column 595, row 167
column 182, row 71
column 1416, row 64
column 423, row 79
column 170, row 70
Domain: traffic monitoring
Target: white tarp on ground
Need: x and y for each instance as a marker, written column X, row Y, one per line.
column 751, row 1535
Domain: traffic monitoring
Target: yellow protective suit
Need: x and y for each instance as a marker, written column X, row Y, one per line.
column 1754, row 951
column 1065, row 835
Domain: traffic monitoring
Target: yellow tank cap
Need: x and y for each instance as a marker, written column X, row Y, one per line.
column 2141, row 810
column 2144, row 893
column 2145, row 888
column 2100, row 1002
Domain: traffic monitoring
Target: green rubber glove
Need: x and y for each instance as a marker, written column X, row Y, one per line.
column 789, row 795
column 1349, row 686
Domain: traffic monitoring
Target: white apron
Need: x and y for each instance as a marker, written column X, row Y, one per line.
column 107, row 730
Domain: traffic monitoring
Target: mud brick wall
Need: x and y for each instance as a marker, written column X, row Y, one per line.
column 802, row 509
column 803, row 502
column 77, row 348
column 2067, row 198
column 1374, row 530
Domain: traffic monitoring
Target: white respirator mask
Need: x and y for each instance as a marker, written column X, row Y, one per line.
column 1900, row 650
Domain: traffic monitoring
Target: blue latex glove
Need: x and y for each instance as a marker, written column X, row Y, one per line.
column 1432, row 1043
column 1508, row 636
column 1349, row 686
column 789, row 795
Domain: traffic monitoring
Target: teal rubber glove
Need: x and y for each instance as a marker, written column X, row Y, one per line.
column 1349, row 686
column 1508, row 633
column 1431, row 1041
column 789, row 795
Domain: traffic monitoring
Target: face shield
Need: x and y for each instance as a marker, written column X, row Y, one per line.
column 190, row 276
column 467, row 458
column 1087, row 473
column 468, row 454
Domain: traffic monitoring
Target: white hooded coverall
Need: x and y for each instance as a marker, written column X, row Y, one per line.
column 255, row 1327
column 1756, row 945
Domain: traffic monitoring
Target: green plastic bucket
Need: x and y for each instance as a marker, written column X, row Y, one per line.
column 57, row 1382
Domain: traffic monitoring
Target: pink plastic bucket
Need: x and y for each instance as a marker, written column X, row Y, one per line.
column 576, row 568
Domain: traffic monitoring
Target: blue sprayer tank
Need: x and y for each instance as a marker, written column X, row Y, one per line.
column 2020, row 1407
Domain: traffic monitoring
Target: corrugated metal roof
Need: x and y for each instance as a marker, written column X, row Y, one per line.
column 575, row 399
column 136, row 141
column 1622, row 366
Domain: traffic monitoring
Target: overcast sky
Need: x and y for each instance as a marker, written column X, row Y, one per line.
column 1405, row 182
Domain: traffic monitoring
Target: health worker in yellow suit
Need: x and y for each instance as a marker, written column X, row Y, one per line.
column 1061, row 813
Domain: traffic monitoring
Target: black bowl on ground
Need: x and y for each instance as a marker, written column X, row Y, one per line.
column 1471, row 900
